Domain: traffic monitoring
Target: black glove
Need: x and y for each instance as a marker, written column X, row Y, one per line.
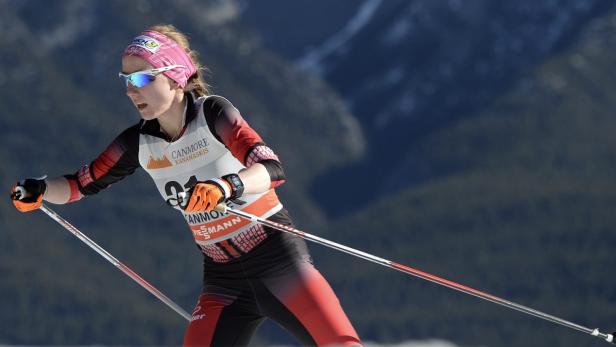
column 28, row 195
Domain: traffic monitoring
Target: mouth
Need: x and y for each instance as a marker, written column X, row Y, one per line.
column 141, row 106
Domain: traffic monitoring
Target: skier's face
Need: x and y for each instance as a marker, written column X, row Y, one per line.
column 155, row 98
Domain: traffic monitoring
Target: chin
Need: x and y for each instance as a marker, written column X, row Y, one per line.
column 145, row 115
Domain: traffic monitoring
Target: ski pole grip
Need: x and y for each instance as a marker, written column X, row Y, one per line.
column 19, row 193
column 182, row 196
column 222, row 208
column 22, row 192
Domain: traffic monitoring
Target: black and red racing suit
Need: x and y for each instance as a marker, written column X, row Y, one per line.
column 261, row 273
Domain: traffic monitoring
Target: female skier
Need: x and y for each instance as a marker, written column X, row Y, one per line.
column 198, row 144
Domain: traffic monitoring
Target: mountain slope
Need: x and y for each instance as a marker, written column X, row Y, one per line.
column 513, row 196
column 62, row 104
column 415, row 67
column 521, row 207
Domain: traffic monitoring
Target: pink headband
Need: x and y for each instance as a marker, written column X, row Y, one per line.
column 159, row 51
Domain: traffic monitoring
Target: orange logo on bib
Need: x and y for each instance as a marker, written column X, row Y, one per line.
column 159, row 163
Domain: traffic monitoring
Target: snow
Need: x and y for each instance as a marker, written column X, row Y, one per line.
column 410, row 343
column 78, row 21
column 422, row 343
column 398, row 31
column 313, row 59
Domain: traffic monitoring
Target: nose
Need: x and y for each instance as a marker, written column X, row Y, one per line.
column 131, row 90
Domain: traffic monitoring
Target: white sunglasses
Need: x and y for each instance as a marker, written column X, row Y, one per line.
column 143, row 78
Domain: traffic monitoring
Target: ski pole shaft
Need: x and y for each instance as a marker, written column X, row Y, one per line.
column 418, row 273
column 125, row 269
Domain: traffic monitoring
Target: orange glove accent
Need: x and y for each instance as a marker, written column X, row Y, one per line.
column 26, row 205
column 205, row 196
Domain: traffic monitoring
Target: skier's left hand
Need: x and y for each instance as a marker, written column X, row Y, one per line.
column 206, row 195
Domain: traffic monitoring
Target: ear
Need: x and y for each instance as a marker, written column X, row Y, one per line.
column 179, row 91
column 173, row 85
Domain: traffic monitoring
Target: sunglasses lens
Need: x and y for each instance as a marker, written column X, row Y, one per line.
column 138, row 79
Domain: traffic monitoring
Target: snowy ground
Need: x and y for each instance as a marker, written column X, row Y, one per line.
column 423, row 343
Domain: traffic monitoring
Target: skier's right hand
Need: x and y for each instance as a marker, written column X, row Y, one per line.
column 204, row 196
column 27, row 195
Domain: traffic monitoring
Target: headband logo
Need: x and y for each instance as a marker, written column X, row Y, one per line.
column 146, row 42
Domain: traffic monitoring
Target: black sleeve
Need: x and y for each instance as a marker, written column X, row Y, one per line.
column 118, row 160
column 230, row 128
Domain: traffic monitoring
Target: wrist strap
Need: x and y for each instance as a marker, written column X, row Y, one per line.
column 223, row 185
column 237, row 186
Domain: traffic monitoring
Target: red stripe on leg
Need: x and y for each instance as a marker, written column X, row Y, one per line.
column 316, row 306
column 202, row 326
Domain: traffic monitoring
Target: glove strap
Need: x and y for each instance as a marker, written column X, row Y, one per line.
column 237, row 186
column 223, row 185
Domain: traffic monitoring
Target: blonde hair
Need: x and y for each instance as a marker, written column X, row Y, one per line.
column 196, row 83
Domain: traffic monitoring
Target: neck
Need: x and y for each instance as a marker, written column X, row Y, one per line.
column 171, row 121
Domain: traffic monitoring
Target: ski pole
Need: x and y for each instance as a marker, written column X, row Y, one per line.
column 418, row 273
column 130, row 273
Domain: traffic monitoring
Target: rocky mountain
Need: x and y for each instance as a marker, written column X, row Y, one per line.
column 490, row 161
column 470, row 139
column 408, row 69
column 76, row 46
column 62, row 104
